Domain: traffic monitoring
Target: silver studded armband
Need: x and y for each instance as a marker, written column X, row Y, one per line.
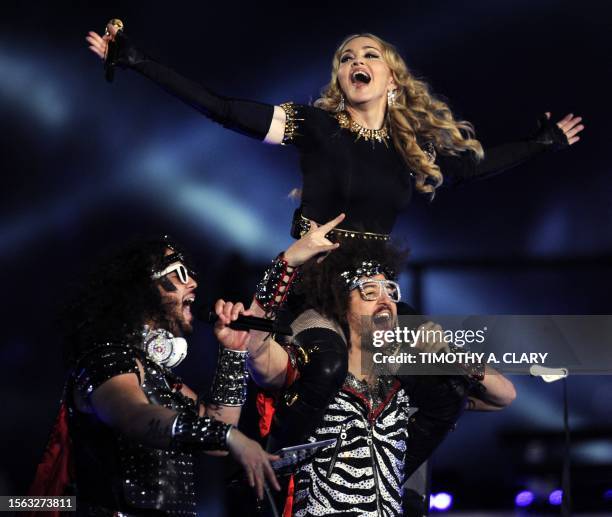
column 275, row 286
column 229, row 387
column 201, row 433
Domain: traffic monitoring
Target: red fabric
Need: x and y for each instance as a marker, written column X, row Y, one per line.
column 266, row 402
column 378, row 410
column 374, row 412
column 265, row 408
column 53, row 473
column 289, row 501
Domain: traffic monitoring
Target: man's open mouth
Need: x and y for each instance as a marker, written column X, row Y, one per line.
column 188, row 302
column 382, row 317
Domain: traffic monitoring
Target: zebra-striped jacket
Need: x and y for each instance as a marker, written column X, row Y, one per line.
column 363, row 472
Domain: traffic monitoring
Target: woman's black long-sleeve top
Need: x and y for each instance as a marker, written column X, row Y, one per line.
column 368, row 181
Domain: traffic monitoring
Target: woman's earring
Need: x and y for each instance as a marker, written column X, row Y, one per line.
column 390, row 98
column 340, row 106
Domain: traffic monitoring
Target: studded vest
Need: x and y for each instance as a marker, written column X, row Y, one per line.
column 112, row 471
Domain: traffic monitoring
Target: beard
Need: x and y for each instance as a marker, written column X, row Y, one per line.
column 367, row 325
column 175, row 319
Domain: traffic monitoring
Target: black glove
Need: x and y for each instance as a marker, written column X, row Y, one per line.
column 549, row 134
column 122, row 53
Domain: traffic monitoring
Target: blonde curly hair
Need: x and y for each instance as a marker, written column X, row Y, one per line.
column 415, row 114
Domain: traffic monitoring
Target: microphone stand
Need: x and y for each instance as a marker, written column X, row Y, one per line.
column 566, row 501
column 552, row 375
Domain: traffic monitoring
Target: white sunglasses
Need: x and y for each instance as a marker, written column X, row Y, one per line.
column 371, row 290
column 181, row 272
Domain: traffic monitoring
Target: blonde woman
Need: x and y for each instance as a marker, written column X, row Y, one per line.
column 375, row 135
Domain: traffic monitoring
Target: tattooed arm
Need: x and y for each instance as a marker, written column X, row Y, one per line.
column 121, row 404
column 495, row 392
column 227, row 414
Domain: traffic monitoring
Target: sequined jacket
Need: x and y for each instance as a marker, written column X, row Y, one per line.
column 363, row 472
column 381, row 436
column 114, row 473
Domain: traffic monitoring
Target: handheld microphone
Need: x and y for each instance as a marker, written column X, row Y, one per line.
column 111, row 52
column 246, row 323
column 109, row 62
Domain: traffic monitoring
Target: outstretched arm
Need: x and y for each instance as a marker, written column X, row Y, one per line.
column 258, row 120
column 549, row 136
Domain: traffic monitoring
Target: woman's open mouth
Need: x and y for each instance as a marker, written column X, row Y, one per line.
column 360, row 77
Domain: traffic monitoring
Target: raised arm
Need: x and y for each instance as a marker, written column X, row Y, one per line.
column 262, row 121
column 229, row 385
column 494, row 392
column 268, row 360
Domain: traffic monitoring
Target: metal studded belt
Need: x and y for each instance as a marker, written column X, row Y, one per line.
column 301, row 225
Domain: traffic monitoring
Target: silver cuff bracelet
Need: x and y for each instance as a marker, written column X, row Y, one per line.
column 229, row 387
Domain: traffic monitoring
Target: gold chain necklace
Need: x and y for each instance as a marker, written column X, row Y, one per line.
column 379, row 135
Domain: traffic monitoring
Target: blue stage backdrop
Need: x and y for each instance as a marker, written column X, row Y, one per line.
column 87, row 165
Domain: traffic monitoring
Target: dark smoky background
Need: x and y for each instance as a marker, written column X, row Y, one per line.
column 87, row 165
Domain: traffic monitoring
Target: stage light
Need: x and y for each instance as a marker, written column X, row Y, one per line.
column 440, row 502
column 524, row 498
column 607, row 495
column 556, row 497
